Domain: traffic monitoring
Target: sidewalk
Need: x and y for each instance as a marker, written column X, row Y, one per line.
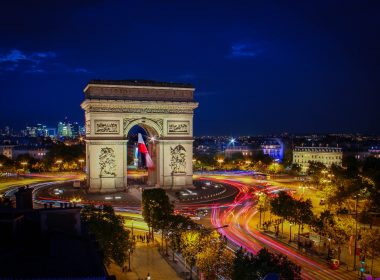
column 321, row 256
column 146, row 259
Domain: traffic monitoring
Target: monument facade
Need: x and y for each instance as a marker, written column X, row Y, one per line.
column 164, row 110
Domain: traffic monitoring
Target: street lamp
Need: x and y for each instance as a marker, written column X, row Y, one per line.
column 356, row 228
column 59, row 162
column 220, row 161
column 24, row 163
column 129, row 260
column 303, row 189
column 290, row 233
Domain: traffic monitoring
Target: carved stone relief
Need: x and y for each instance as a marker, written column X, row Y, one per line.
column 107, row 162
column 140, row 110
column 88, row 127
column 178, row 159
column 178, row 127
column 107, row 127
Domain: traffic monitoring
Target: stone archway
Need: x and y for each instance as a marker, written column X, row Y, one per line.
column 165, row 110
column 153, row 127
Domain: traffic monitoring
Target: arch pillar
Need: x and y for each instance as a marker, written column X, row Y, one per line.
column 175, row 166
column 106, row 165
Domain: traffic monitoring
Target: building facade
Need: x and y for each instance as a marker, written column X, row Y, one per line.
column 326, row 155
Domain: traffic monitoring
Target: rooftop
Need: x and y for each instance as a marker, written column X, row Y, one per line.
column 139, row 90
column 141, row 83
column 317, row 149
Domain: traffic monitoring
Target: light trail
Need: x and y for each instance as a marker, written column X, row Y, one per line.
column 238, row 216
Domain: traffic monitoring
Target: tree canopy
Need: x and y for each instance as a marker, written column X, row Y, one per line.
column 109, row 231
column 248, row 266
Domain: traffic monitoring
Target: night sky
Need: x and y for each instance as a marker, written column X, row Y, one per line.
column 262, row 67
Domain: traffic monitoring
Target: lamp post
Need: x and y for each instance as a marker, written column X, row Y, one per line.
column 129, row 260
column 303, row 190
column 356, row 229
column 290, row 233
column 261, row 207
column 81, row 161
column 59, row 163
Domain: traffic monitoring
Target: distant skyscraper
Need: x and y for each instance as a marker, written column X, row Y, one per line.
column 30, row 131
column 7, row 130
column 52, row 132
column 82, row 130
column 64, row 130
column 41, row 130
column 75, row 130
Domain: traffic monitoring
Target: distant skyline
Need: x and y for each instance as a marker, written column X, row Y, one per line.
column 259, row 67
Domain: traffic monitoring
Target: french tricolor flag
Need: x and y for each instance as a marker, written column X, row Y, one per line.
column 142, row 149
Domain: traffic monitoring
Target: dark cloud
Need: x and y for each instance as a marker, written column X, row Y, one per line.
column 19, row 61
column 241, row 50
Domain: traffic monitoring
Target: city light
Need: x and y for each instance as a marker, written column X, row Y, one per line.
column 75, row 200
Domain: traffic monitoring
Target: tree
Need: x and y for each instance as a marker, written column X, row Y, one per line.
column 340, row 230
column 301, row 213
column 5, row 202
column 248, row 266
column 192, row 242
column 156, row 209
column 318, row 223
column 370, row 243
column 241, row 266
column 109, row 231
column 215, row 260
column 7, row 164
column 281, row 206
column 178, row 225
column 315, row 170
column 295, row 169
column 288, row 156
column 275, row 168
column 69, row 155
column 261, row 157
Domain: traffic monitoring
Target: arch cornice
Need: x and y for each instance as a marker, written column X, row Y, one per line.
column 144, row 107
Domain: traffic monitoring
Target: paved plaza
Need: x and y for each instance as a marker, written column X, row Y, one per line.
column 146, row 259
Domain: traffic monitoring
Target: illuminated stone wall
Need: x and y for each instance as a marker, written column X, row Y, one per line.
column 325, row 155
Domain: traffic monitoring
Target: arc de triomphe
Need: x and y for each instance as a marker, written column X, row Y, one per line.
column 164, row 110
